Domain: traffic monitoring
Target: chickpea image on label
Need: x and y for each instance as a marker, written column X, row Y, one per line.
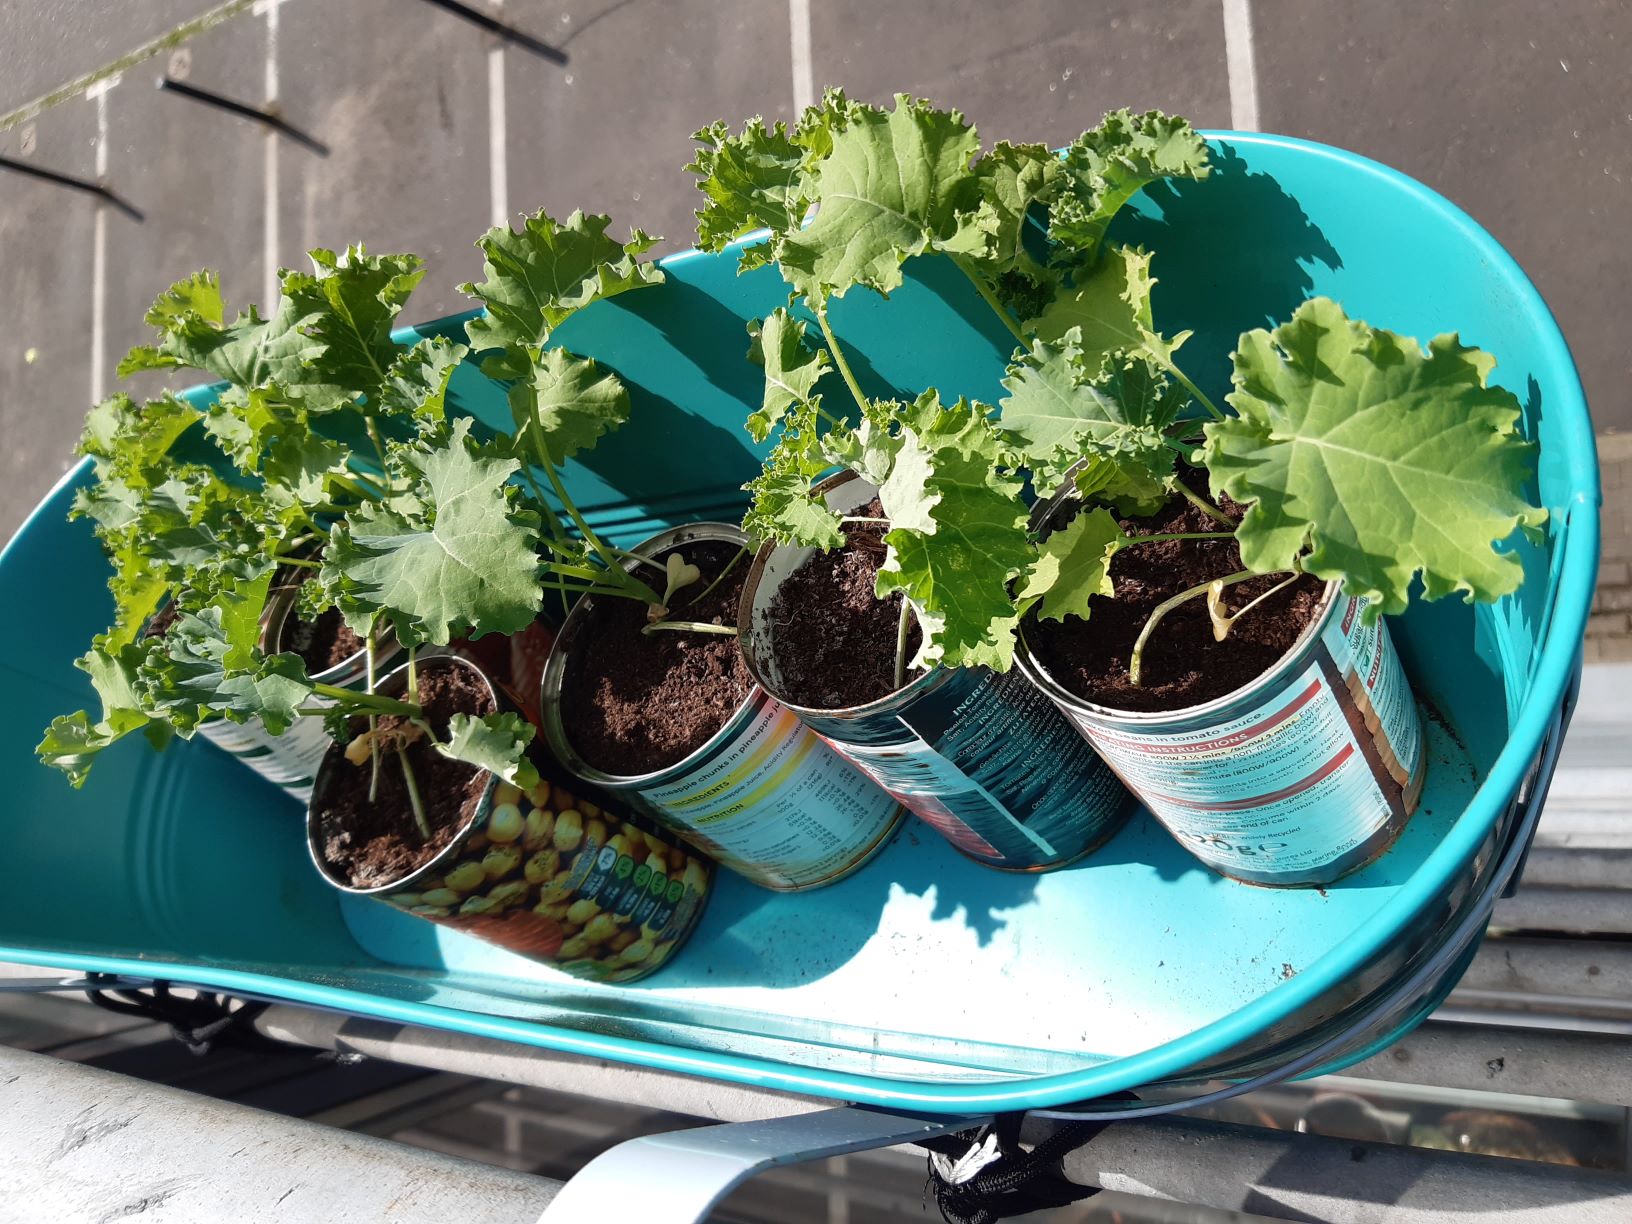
column 582, row 911
column 542, row 866
column 440, row 896
column 504, row 823
column 600, row 928
column 505, row 792
column 573, row 948
column 569, row 830
column 508, row 894
column 537, row 828
column 500, row 861
column 467, row 877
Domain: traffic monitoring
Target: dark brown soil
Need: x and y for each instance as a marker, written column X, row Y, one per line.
column 323, row 643
column 834, row 640
column 1182, row 665
column 636, row 702
column 378, row 843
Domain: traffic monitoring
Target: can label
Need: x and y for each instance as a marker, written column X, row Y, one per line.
column 776, row 804
column 596, row 892
column 1310, row 781
column 988, row 761
column 289, row 761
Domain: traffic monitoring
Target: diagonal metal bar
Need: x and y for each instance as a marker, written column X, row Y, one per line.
column 88, row 186
column 507, row 32
column 243, row 110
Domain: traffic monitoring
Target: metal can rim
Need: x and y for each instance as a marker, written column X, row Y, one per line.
column 1032, row 666
column 395, row 679
column 351, row 667
column 555, row 666
column 908, row 692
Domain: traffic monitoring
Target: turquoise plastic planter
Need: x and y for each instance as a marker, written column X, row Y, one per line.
column 923, row 981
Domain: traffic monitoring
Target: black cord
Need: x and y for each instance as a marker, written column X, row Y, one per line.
column 199, row 1023
column 1015, row 1181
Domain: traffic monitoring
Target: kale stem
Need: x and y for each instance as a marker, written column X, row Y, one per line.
column 1205, row 506
column 690, row 627
column 726, row 569
column 373, row 724
column 1223, row 623
column 1195, row 391
column 365, row 701
column 413, row 677
column 545, row 510
column 630, row 586
column 379, row 450
column 300, row 561
column 1179, row 535
column 838, row 357
column 859, row 518
column 985, row 291
column 903, row 627
column 1166, row 606
column 413, row 795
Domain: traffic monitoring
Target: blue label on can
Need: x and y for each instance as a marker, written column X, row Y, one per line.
column 991, row 763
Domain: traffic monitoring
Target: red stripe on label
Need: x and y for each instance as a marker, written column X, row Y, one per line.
column 1286, row 792
column 1234, row 740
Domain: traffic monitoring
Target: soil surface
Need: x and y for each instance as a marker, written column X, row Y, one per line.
column 323, row 643
column 371, row 844
column 834, row 640
column 1182, row 664
column 634, row 702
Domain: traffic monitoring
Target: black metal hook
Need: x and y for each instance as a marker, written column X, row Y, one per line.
column 243, row 110
column 507, row 32
column 89, row 187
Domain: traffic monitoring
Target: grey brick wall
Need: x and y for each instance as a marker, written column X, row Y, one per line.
column 1518, row 111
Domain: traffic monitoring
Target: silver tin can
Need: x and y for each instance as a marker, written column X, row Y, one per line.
column 1296, row 779
column 981, row 757
column 764, row 796
column 567, row 879
column 290, row 761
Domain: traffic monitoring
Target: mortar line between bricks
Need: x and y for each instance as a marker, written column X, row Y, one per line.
column 99, row 250
column 498, row 155
column 1240, row 65
column 172, row 37
column 804, row 77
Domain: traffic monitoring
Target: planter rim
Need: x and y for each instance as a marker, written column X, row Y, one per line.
column 549, row 694
column 914, row 688
column 398, row 678
column 1028, row 662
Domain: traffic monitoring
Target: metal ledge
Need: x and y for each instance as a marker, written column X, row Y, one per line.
column 85, row 1144
column 1288, row 1176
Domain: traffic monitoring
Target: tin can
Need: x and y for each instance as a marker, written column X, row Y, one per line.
column 582, row 885
column 290, row 761
column 1296, row 779
column 764, row 796
column 982, row 757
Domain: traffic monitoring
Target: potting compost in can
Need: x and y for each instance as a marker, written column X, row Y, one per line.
column 1297, row 779
column 561, row 873
column 983, row 758
column 764, row 796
